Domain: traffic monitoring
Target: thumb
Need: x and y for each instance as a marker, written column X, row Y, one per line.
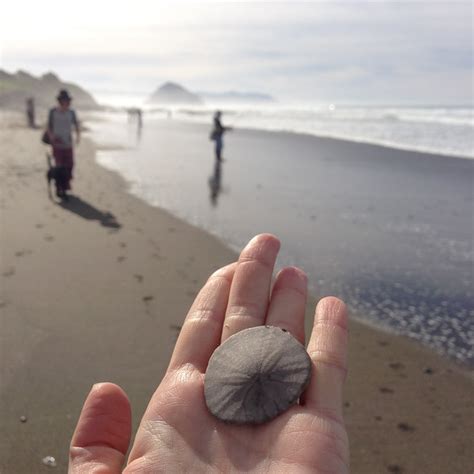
column 102, row 435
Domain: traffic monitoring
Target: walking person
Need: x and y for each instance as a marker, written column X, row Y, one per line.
column 217, row 134
column 61, row 121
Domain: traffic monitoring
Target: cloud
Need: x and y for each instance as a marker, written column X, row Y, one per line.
column 360, row 51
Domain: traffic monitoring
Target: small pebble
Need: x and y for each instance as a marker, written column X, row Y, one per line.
column 49, row 461
column 23, row 418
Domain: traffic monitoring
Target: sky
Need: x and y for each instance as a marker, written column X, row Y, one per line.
column 386, row 52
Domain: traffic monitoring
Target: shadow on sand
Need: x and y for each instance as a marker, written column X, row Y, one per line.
column 87, row 211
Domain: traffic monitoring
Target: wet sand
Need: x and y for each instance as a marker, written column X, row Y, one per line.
column 96, row 290
column 387, row 230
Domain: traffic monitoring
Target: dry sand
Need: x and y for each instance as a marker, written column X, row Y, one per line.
column 96, row 291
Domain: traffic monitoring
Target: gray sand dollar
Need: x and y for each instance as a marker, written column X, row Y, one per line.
column 255, row 375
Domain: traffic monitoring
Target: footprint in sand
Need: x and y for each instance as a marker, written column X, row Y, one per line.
column 49, row 238
column 405, row 427
column 121, row 258
column 20, row 253
column 395, row 468
column 122, row 245
column 378, row 418
column 396, row 365
column 148, row 298
column 385, row 390
column 154, row 244
column 139, row 278
column 10, row 272
column 39, row 225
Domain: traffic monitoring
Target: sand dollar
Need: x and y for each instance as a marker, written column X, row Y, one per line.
column 255, row 375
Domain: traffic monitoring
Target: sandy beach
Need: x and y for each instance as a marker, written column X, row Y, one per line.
column 96, row 290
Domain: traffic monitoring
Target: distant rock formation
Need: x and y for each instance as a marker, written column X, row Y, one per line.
column 171, row 93
column 16, row 88
column 234, row 97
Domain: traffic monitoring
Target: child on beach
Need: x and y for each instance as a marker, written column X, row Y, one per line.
column 61, row 120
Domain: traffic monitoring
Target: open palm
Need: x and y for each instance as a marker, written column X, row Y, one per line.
column 177, row 432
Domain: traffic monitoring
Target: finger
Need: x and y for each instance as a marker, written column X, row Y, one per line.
column 288, row 302
column 248, row 299
column 102, row 434
column 328, row 351
column 202, row 329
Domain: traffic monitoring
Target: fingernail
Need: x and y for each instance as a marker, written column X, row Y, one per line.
column 264, row 238
column 96, row 386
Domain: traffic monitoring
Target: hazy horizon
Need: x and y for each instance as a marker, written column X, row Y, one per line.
column 378, row 52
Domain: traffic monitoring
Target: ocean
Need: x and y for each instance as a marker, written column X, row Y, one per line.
column 447, row 130
column 389, row 231
column 444, row 130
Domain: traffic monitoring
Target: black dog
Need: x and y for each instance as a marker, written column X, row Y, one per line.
column 59, row 175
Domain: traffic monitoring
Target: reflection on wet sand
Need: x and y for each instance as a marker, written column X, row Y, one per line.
column 386, row 230
column 215, row 182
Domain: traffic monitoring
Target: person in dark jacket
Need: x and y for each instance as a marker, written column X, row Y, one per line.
column 217, row 134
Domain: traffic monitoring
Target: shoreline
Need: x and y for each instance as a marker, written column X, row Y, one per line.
column 99, row 147
column 385, row 144
column 348, row 141
column 397, row 413
column 394, row 218
column 355, row 316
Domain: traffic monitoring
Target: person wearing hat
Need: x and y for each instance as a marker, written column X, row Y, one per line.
column 61, row 121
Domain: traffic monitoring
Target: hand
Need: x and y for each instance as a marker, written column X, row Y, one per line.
column 178, row 434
